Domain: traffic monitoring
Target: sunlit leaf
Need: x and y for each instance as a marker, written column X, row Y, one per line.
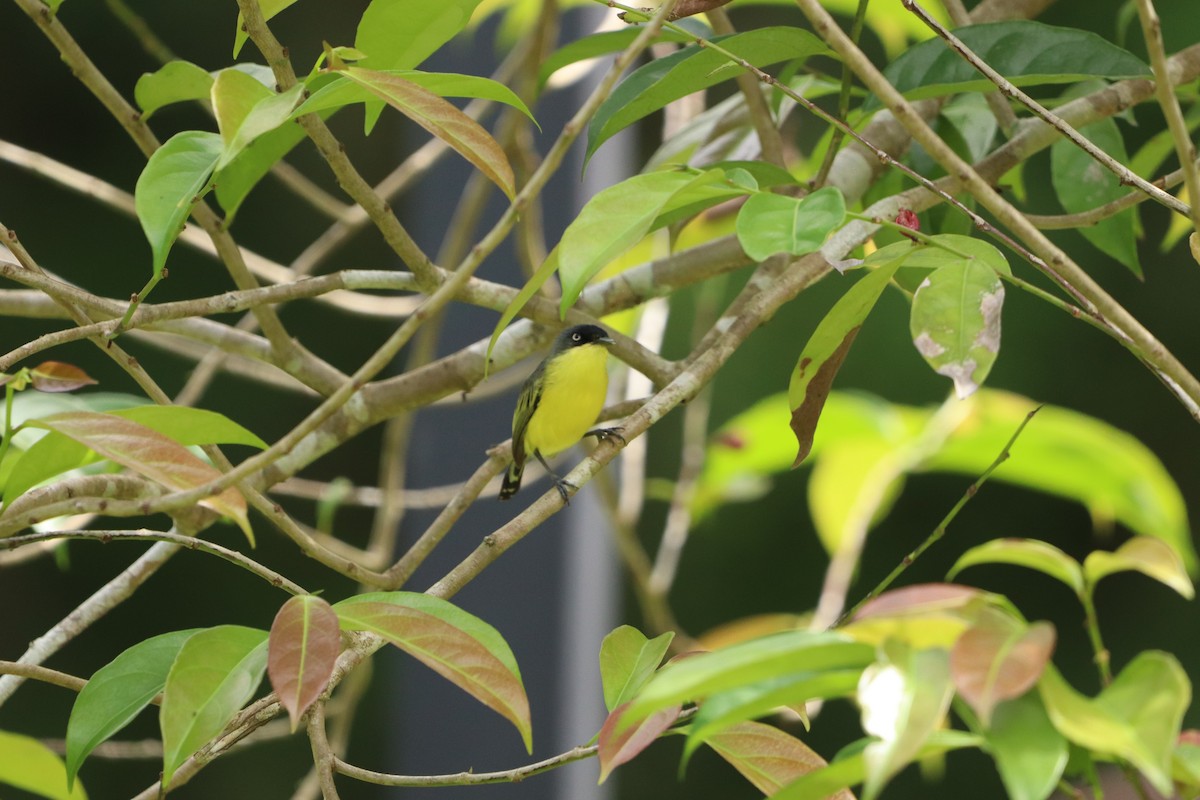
column 458, row 646
column 922, row 615
column 999, row 659
column 214, row 675
column 30, row 766
column 619, row 745
column 464, row 135
column 1026, row 53
column 173, row 82
column 824, row 353
column 762, row 659
column 751, row 627
column 342, row 91
column 606, row 42
column 1136, row 718
column 55, row 376
column 955, row 322
column 903, row 701
column 303, row 647
column 174, row 178
column 1149, row 556
column 247, row 110
column 627, row 661
column 853, row 484
column 767, row 757
column 773, row 223
column 691, row 69
column 117, row 692
column 1029, row 553
column 148, row 453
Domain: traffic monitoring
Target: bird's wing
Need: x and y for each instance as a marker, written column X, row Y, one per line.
column 531, row 396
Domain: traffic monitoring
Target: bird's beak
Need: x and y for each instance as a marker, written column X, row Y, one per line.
column 606, row 340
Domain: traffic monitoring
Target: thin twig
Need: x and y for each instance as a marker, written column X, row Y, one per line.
column 467, row 778
column 940, row 531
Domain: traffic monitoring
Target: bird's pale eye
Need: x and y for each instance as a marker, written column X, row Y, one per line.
column 576, row 337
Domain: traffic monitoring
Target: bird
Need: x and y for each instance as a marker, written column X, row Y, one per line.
column 559, row 401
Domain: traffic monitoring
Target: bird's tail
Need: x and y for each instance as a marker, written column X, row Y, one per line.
column 512, row 480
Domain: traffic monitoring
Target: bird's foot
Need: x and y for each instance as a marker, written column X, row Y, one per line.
column 603, row 434
column 562, row 487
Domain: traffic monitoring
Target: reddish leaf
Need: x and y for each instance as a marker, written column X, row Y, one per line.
column 998, row 659
column 55, row 376
column 767, row 757
column 148, row 453
column 466, row 136
column 304, row 645
column 919, row 598
column 458, row 646
column 618, row 746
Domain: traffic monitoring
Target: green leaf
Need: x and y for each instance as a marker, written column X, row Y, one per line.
column 400, row 34
column 1149, row 556
column 148, row 453
column 999, row 658
column 1082, row 184
column 1136, row 718
column 1026, row 53
column 1075, row 456
column 458, row 646
column 850, row 768
column 903, row 701
column 950, row 248
column 341, row 91
column 691, row 69
column 1030, row 553
column 269, row 9
column 173, row 82
column 734, row 706
column 214, row 675
column 463, row 134
column 174, row 178
column 28, row 765
column 955, row 322
column 606, row 42
column 302, row 650
column 531, row 287
column 853, row 485
column 117, row 692
column 236, row 178
column 617, row 218
column 769, row 657
column 1030, row 753
column 773, row 223
column 767, row 757
column 824, row 353
column 627, row 661
column 921, row 616
column 246, row 110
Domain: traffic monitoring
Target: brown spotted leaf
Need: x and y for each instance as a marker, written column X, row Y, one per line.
column 55, row 376
column 460, row 647
column 618, row 744
column 147, row 453
column 826, row 350
column 303, row 647
column 767, row 757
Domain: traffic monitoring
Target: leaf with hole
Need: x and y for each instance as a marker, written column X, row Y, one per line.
column 458, row 646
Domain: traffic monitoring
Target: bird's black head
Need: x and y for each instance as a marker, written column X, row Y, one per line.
column 579, row 335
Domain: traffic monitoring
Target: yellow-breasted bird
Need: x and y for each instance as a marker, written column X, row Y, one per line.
column 559, row 402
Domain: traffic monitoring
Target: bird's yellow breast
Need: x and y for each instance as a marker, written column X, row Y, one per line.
column 572, row 396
